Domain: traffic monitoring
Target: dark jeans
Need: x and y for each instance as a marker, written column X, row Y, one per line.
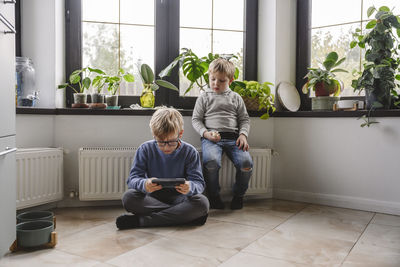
column 212, row 154
column 164, row 207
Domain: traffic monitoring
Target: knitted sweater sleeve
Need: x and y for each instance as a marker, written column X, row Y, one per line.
column 137, row 176
column 194, row 173
column 243, row 117
column 198, row 116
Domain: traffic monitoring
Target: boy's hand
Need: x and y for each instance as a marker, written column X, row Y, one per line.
column 183, row 188
column 150, row 187
column 241, row 142
column 212, row 136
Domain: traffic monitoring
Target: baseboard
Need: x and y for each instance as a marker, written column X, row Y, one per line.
column 339, row 201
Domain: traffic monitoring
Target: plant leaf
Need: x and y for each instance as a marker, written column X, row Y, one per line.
column 340, row 62
column 147, row 74
column 353, row 44
column 371, row 24
column 86, row 83
column 168, row 69
column 75, row 77
column 339, row 70
column 265, row 116
column 332, row 56
column 154, row 87
column 328, row 64
column 98, row 71
column 167, row 84
column 129, row 78
column 384, row 8
column 370, row 11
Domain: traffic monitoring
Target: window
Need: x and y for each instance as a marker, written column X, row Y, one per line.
column 327, row 26
column 219, row 26
column 110, row 34
column 116, row 36
column 331, row 32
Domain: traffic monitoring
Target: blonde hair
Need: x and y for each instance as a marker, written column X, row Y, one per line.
column 223, row 66
column 166, row 121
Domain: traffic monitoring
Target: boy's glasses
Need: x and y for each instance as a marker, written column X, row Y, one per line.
column 173, row 143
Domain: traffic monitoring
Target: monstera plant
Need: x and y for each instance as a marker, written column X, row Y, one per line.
column 195, row 68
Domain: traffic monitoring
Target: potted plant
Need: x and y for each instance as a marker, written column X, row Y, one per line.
column 97, row 97
column 323, row 81
column 382, row 59
column 194, row 68
column 80, row 97
column 113, row 83
column 150, row 85
column 256, row 96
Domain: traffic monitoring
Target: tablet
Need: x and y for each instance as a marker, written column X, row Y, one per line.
column 168, row 182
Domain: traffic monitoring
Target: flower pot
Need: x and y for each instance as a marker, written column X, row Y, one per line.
column 251, row 103
column 97, row 98
column 111, row 100
column 80, row 100
column 324, row 89
column 97, row 101
column 378, row 99
column 147, row 98
column 323, row 102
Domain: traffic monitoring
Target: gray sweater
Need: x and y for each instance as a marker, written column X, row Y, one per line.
column 224, row 112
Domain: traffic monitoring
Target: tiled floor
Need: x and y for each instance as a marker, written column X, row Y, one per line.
column 264, row 233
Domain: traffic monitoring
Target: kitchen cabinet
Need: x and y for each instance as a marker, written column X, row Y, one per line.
column 7, row 126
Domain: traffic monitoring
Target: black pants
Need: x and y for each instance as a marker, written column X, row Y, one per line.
column 164, row 207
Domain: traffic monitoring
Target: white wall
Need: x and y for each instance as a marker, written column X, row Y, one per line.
column 35, row 131
column 334, row 161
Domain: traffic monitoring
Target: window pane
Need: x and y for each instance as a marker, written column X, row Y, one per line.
column 100, row 46
column 337, row 39
column 335, row 12
column 197, row 40
column 226, row 42
column 200, row 43
column 378, row 3
column 137, row 12
column 228, row 14
column 137, row 47
column 100, row 10
column 195, row 13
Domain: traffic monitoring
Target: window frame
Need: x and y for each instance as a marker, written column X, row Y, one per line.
column 166, row 48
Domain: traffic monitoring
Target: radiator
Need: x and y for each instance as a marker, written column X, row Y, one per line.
column 39, row 176
column 103, row 172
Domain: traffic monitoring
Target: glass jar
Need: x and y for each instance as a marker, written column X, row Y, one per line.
column 25, row 84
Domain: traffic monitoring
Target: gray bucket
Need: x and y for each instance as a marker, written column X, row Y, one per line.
column 35, row 216
column 34, row 233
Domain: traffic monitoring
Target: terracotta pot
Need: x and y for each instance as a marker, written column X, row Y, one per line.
column 324, row 89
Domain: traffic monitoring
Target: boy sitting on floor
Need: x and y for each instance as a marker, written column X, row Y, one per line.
column 167, row 156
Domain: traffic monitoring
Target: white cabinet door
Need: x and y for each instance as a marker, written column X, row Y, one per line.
column 7, row 71
column 7, row 193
